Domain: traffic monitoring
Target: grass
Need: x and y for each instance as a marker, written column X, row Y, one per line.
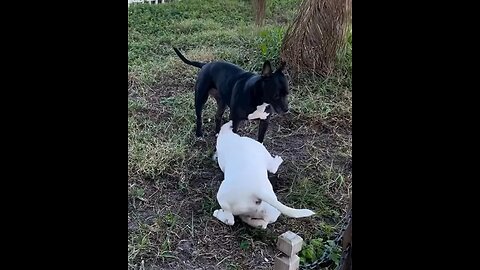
column 172, row 179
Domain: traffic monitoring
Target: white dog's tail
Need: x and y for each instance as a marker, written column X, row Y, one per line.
column 291, row 212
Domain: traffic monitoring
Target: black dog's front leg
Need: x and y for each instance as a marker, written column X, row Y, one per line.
column 235, row 125
column 262, row 129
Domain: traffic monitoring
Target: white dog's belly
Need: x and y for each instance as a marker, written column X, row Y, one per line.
column 259, row 113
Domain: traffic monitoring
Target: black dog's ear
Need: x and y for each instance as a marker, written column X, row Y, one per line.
column 281, row 67
column 267, row 69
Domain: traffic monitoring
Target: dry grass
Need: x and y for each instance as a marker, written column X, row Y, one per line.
column 318, row 32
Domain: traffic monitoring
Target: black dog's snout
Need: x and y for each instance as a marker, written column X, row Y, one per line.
column 280, row 109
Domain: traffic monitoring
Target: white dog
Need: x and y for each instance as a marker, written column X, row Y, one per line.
column 246, row 190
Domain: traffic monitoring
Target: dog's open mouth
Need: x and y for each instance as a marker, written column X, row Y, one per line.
column 255, row 218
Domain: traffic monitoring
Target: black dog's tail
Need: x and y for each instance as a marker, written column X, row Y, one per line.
column 192, row 63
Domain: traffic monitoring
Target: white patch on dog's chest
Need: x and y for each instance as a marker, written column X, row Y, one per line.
column 259, row 113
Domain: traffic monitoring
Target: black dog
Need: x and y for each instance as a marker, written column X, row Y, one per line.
column 249, row 96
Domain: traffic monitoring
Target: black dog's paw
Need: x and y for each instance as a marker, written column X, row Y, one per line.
column 200, row 139
column 199, row 142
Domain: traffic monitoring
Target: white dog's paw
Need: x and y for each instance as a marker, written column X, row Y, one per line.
column 278, row 159
column 275, row 163
column 229, row 221
column 224, row 217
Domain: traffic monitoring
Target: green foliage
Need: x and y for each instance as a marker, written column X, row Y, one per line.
column 315, row 249
column 245, row 245
column 270, row 43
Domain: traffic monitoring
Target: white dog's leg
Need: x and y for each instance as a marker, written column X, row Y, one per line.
column 271, row 213
column 274, row 164
column 224, row 216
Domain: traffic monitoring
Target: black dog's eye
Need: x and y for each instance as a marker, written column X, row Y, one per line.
column 276, row 96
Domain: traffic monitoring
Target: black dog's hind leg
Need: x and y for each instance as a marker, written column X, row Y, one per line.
column 262, row 129
column 221, row 106
column 201, row 96
column 218, row 116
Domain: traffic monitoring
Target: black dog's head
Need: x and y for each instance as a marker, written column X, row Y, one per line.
column 274, row 87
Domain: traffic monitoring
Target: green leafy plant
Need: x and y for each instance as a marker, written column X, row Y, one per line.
column 270, row 44
column 244, row 244
column 317, row 249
